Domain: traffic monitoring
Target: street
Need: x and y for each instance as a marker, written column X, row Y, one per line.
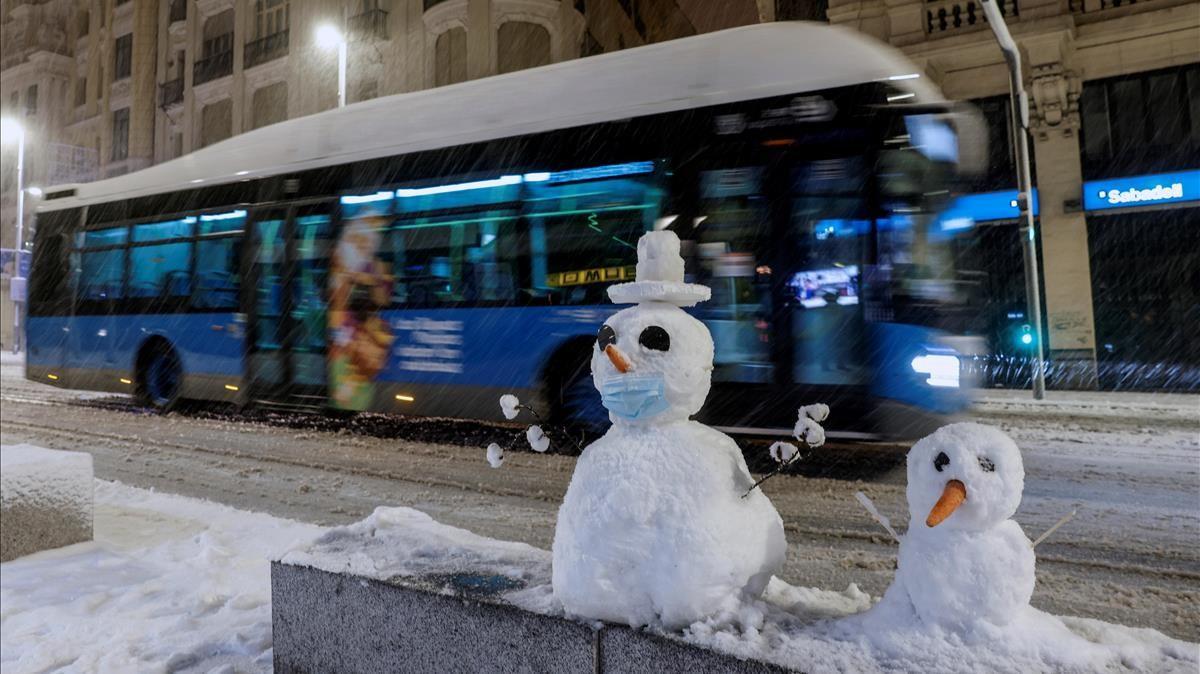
column 1130, row 464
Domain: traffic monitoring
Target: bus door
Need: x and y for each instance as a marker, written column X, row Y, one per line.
column 286, row 307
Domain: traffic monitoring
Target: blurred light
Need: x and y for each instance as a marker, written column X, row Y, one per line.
column 404, row 398
column 537, row 177
column 458, row 187
column 1027, row 338
column 231, row 215
column 241, row 173
column 53, row 377
column 351, row 199
column 35, row 192
column 195, row 181
column 609, row 171
column 664, row 222
column 126, row 381
column 10, row 128
column 941, row 368
column 909, row 76
column 328, row 36
column 230, row 387
column 900, row 97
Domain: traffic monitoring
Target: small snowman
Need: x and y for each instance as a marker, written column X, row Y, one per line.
column 654, row 527
column 963, row 563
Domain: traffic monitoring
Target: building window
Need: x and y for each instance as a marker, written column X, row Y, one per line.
column 450, row 57
column 85, row 23
column 123, row 57
column 31, row 100
column 81, row 90
column 120, row 135
column 270, row 17
column 1001, row 172
column 522, row 45
column 1140, row 123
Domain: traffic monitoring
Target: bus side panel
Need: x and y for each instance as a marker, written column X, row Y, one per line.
column 103, row 351
column 457, row 362
column 47, row 338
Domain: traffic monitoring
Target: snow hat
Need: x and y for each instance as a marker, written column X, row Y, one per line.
column 659, row 275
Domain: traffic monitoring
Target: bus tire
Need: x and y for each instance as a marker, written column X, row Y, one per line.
column 574, row 400
column 159, row 376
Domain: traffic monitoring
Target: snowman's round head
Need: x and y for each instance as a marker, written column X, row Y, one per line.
column 964, row 476
column 652, row 363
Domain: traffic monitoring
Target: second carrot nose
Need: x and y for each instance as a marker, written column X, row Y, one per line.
column 618, row 359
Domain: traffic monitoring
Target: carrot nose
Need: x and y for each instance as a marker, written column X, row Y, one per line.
column 952, row 496
column 618, row 359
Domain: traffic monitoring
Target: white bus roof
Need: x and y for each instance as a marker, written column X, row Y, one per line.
column 738, row 64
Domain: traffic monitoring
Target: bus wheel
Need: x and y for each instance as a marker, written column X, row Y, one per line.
column 160, row 377
column 577, row 400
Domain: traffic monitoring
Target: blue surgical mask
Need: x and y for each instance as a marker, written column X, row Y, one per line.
column 635, row 396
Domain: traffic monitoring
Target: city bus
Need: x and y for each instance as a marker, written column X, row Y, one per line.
column 424, row 253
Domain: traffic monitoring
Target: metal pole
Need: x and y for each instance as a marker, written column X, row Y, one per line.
column 1019, row 107
column 20, row 233
column 342, row 72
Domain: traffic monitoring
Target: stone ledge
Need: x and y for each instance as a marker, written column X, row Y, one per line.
column 45, row 499
column 324, row 621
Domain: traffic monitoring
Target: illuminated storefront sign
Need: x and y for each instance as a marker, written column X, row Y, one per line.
column 1149, row 190
column 586, row 276
column 966, row 210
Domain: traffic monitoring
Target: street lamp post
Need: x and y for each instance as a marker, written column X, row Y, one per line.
column 329, row 37
column 10, row 128
column 1019, row 107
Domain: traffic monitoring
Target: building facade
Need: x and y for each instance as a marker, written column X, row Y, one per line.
column 144, row 81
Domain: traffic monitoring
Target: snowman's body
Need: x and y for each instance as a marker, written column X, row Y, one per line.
column 968, row 565
column 653, row 528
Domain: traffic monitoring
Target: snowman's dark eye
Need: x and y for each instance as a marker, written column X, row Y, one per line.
column 941, row 461
column 606, row 337
column 986, row 464
column 655, row 338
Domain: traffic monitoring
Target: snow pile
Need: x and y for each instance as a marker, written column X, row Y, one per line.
column 401, row 542
column 45, row 497
column 170, row 583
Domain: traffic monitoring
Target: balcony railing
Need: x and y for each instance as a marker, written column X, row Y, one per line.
column 951, row 16
column 370, row 25
column 170, row 93
column 212, row 67
column 177, row 11
column 266, row 49
column 1089, row 6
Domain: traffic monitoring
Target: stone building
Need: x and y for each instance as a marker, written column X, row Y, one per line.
column 112, row 86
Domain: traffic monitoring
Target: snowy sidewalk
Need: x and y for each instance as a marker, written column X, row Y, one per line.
column 169, row 584
column 1181, row 407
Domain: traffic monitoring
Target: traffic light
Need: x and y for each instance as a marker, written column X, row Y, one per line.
column 1026, row 335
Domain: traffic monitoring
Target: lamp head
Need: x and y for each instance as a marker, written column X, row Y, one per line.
column 329, row 37
column 10, row 129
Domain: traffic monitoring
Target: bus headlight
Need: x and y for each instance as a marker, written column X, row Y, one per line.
column 942, row 369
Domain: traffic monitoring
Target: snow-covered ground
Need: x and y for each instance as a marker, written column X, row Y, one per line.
column 1129, row 556
column 169, row 584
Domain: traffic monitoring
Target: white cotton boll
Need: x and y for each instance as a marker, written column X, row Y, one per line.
column 495, row 455
column 817, row 412
column 508, row 405
column 537, row 439
column 809, row 432
column 783, row 451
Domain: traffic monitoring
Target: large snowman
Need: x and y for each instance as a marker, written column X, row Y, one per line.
column 963, row 564
column 654, row 527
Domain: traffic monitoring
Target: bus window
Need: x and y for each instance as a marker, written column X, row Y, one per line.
column 829, row 225
column 455, row 244
column 218, row 261
column 98, row 276
column 733, row 231
column 162, row 270
column 583, row 233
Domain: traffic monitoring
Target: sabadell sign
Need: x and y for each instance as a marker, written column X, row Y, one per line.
column 1162, row 188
